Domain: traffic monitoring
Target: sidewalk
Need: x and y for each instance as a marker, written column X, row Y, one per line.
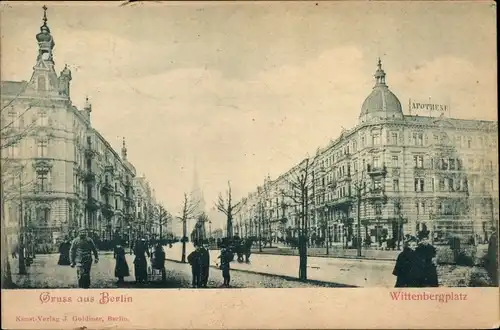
column 347, row 272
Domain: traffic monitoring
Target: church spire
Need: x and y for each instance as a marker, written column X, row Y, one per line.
column 124, row 150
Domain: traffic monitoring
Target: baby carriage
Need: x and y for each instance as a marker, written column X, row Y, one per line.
column 157, row 270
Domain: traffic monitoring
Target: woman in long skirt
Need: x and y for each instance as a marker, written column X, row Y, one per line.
column 64, row 248
column 409, row 266
column 140, row 261
column 121, row 266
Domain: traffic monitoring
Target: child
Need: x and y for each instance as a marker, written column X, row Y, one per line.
column 225, row 258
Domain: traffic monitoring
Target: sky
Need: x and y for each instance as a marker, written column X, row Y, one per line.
column 246, row 90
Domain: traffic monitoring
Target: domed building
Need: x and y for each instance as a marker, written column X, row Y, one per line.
column 381, row 103
column 393, row 174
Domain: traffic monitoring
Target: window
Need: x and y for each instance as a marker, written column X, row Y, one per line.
column 458, row 141
column 395, row 161
column 43, row 216
column 41, row 83
column 12, row 151
column 394, row 138
column 42, row 182
column 417, row 208
column 451, row 164
column 376, row 162
column 451, row 184
column 395, row 185
column 363, row 142
column 42, row 147
column 13, row 122
column 376, row 139
column 441, row 184
column 418, row 161
column 419, row 184
column 354, row 146
column 116, row 203
column 469, row 142
column 433, row 184
column 444, row 164
column 377, row 185
column 42, row 119
column 418, row 139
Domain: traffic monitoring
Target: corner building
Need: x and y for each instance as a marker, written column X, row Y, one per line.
column 403, row 173
column 58, row 172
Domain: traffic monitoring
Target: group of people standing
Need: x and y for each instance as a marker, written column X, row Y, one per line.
column 199, row 260
column 79, row 253
column 416, row 265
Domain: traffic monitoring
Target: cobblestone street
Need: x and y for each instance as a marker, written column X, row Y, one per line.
column 45, row 273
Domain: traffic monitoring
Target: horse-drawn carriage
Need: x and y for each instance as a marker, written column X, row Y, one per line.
column 241, row 247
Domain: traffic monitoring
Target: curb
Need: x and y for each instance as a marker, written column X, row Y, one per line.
column 329, row 256
column 285, row 277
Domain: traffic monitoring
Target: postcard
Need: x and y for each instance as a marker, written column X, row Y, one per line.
column 256, row 165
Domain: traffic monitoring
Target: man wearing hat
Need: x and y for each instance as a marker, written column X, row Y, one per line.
column 81, row 251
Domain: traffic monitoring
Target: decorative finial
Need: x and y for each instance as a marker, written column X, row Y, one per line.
column 380, row 74
column 124, row 142
column 44, row 14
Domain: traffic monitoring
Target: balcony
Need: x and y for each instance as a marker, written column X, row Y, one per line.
column 109, row 168
column 89, row 176
column 341, row 202
column 89, row 152
column 107, row 188
column 376, row 194
column 92, row 204
column 107, row 210
column 376, row 170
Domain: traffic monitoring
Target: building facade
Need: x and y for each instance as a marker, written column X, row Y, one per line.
column 58, row 173
column 393, row 174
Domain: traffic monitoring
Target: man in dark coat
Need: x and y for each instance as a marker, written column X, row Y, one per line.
column 492, row 258
column 409, row 266
column 204, row 266
column 194, row 259
column 427, row 253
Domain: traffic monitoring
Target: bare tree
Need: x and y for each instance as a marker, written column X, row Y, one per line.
column 10, row 136
column 301, row 183
column 161, row 217
column 226, row 206
column 188, row 212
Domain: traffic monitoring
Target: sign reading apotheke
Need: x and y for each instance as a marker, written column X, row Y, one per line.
column 427, row 108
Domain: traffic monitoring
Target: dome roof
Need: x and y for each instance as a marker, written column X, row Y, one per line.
column 381, row 99
column 381, row 102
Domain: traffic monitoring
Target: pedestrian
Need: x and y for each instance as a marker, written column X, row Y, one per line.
column 409, row 266
column 204, row 265
column 226, row 256
column 140, row 261
column 492, row 257
column 158, row 261
column 121, row 265
column 64, row 248
column 81, row 252
column 194, row 259
column 428, row 254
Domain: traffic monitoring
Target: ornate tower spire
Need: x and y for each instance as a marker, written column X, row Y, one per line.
column 380, row 74
column 124, row 150
column 45, row 41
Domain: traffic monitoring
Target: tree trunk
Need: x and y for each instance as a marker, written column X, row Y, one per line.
column 6, row 271
column 302, row 258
